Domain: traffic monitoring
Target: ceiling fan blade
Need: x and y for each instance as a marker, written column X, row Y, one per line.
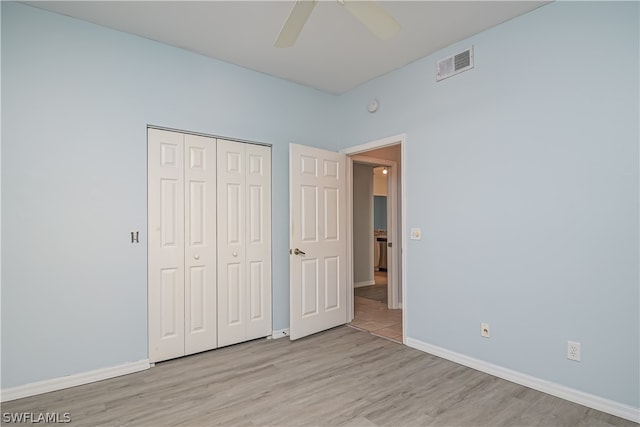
column 376, row 19
column 294, row 23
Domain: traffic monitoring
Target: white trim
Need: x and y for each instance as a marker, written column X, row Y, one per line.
column 403, row 248
column 280, row 333
column 373, row 161
column 392, row 223
column 364, row 283
column 589, row 400
column 207, row 135
column 374, row 145
column 399, row 256
column 82, row 378
column 350, row 268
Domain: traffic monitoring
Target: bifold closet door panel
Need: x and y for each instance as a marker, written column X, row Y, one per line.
column 182, row 244
column 166, row 244
column 258, row 255
column 244, row 242
column 231, row 242
column 200, row 244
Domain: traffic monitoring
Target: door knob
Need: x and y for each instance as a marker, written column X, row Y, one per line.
column 235, row 254
column 297, row 251
column 196, row 256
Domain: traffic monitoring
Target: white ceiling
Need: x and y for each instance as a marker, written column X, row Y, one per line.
column 334, row 52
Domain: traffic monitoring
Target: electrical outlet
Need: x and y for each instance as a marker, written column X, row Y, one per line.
column 573, row 350
column 484, row 330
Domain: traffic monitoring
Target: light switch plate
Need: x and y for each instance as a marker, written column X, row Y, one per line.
column 416, row 234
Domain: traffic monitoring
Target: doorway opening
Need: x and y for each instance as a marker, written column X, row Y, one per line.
column 376, row 238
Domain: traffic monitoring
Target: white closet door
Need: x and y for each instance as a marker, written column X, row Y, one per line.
column 244, row 242
column 258, row 247
column 231, row 243
column 200, row 244
column 209, row 204
column 166, row 244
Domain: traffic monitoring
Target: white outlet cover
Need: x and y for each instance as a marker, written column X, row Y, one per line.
column 373, row 106
column 484, row 330
column 416, row 234
column 573, row 351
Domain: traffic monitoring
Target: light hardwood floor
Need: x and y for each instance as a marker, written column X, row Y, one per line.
column 341, row 377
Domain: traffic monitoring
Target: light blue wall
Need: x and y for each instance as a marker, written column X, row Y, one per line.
column 523, row 175
column 363, row 250
column 76, row 100
column 380, row 212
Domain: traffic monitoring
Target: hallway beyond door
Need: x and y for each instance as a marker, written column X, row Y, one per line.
column 371, row 311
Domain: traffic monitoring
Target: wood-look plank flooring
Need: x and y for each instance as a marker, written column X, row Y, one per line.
column 341, row 377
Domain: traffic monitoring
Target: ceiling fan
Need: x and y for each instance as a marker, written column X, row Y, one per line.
column 376, row 19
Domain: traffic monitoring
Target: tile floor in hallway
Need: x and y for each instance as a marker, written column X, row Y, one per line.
column 375, row 317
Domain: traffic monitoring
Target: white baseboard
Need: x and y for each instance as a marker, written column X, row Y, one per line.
column 365, row 283
column 54, row 384
column 589, row 400
column 280, row 333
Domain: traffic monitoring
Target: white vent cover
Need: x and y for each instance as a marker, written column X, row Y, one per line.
column 454, row 64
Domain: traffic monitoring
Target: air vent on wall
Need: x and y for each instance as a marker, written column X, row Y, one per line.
column 455, row 64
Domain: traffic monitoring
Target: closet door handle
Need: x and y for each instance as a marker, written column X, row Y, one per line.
column 196, row 256
column 235, row 254
column 297, row 251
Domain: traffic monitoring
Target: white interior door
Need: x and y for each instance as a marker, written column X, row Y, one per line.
column 166, row 244
column 200, row 243
column 318, row 239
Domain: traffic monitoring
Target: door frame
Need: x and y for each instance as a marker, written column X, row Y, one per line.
column 398, row 251
column 392, row 223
